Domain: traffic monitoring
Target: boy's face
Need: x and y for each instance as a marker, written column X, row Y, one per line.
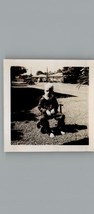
column 49, row 92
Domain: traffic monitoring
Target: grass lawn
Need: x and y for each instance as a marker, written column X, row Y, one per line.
column 25, row 131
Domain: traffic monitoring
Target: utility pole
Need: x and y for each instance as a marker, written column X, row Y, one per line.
column 47, row 75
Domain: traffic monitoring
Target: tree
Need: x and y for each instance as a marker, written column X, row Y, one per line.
column 39, row 72
column 17, row 71
column 59, row 71
column 84, row 76
column 73, row 75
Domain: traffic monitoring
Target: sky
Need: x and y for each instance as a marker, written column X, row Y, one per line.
column 33, row 66
column 42, row 65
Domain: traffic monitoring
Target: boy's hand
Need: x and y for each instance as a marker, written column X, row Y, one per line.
column 53, row 111
column 48, row 113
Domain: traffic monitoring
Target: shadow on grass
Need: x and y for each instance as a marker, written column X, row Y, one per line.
column 16, row 135
column 28, row 98
column 23, row 116
column 24, row 99
column 61, row 95
column 72, row 128
column 81, row 142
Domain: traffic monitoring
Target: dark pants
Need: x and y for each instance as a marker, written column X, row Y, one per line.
column 44, row 121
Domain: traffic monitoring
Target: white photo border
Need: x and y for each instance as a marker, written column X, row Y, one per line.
column 7, row 63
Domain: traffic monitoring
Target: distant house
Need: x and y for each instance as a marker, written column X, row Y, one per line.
column 56, row 77
column 39, row 78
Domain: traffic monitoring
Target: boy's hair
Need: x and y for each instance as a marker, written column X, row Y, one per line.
column 48, row 86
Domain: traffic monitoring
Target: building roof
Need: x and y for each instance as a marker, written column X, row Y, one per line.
column 56, row 75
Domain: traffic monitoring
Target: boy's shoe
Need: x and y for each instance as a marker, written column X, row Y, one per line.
column 51, row 135
column 62, row 132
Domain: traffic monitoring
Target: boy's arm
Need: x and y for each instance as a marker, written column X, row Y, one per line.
column 55, row 104
column 41, row 106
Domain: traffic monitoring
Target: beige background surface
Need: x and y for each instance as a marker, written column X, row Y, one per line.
column 45, row 182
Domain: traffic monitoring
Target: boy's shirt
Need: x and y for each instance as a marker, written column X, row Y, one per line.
column 48, row 104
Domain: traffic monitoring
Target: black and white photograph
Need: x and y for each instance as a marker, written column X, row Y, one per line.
column 48, row 105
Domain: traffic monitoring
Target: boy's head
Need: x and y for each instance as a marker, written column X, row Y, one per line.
column 49, row 89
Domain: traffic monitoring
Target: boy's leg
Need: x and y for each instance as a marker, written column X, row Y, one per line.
column 61, row 122
column 44, row 124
